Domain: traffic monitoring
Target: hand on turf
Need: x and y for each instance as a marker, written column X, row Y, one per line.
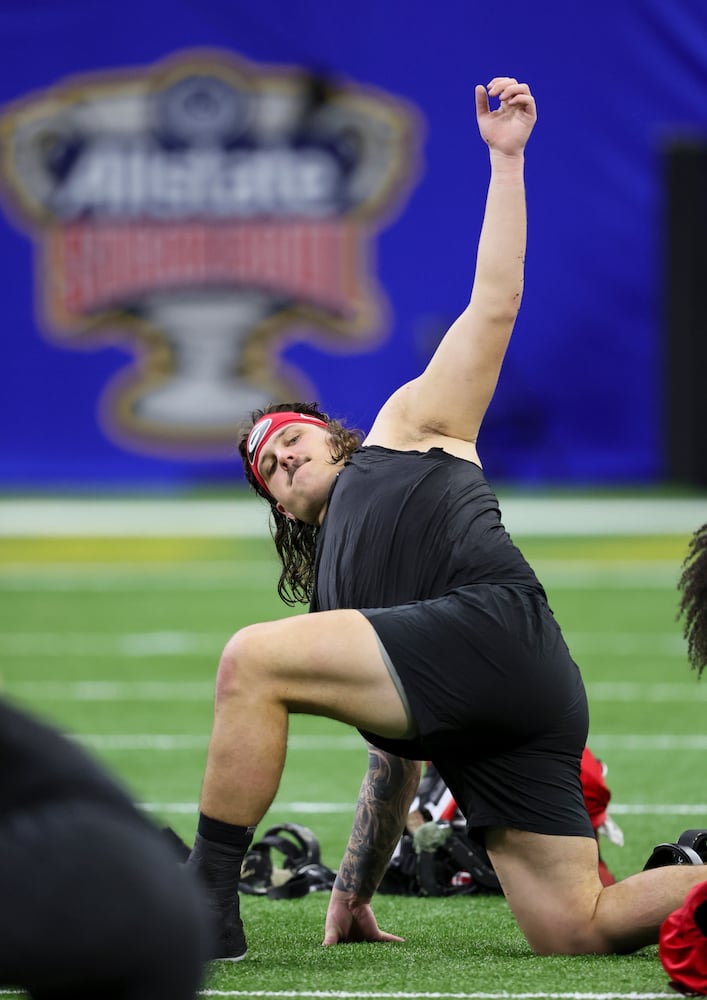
column 349, row 921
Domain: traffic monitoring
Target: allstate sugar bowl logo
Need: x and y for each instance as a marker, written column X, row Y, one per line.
column 204, row 213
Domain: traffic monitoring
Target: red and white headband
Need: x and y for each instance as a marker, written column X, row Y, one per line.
column 263, row 429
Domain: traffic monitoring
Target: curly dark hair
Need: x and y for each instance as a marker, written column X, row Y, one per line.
column 693, row 599
column 296, row 541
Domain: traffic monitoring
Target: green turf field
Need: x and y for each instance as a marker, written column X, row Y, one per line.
column 117, row 641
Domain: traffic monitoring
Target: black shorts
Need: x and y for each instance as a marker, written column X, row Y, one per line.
column 495, row 701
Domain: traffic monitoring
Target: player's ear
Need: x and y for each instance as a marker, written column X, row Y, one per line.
column 281, row 510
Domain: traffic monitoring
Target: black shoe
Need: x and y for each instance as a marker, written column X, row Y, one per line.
column 230, row 942
column 218, row 867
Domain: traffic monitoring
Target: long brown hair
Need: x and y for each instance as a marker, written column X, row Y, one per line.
column 693, row 599
column 296, row 541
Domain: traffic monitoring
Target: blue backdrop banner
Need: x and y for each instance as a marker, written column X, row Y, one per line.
column 206, row 207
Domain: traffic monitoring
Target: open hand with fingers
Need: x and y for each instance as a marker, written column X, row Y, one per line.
column 349, row 922
column 508, row 127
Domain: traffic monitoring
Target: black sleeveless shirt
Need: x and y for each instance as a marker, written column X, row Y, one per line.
column 404, row 526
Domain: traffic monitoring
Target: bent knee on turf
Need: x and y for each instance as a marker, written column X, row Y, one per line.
column 581, row 940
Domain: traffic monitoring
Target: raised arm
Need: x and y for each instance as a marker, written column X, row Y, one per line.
column 386, row 793
column 450, row 398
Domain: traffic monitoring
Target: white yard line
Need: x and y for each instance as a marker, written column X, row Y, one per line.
column 442, row 995
column 128, row 644
column 189, row 741
column 390, row 995
column 175, row 691
column 246, row 517
column 656, row 742
column 641, row 742
column 325, row 808
column 187, row 643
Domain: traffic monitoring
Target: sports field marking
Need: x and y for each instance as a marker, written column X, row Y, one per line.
column 649, row 741
column 182, row 643
column 635, row 692
column 100, row 691
column 643, row 742
column 397, row 995
column 369, row 995
column 188, row 741
column 129, row 644
column 311, row 808
column 676, row 809
column 325, row 808
column 151, row 690
column 244, row 516
column 366, row 994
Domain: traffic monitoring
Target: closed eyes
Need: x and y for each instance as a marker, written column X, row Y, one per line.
column 271, row 463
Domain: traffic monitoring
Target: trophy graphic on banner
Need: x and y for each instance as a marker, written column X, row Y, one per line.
column 205, row 213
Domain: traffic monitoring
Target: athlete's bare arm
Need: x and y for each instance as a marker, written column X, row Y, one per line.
column 449, row 399
column 388, row 788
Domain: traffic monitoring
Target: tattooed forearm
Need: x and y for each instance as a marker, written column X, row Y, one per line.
column 383, row 803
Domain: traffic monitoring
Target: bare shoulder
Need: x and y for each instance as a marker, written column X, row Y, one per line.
column 398, row 426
